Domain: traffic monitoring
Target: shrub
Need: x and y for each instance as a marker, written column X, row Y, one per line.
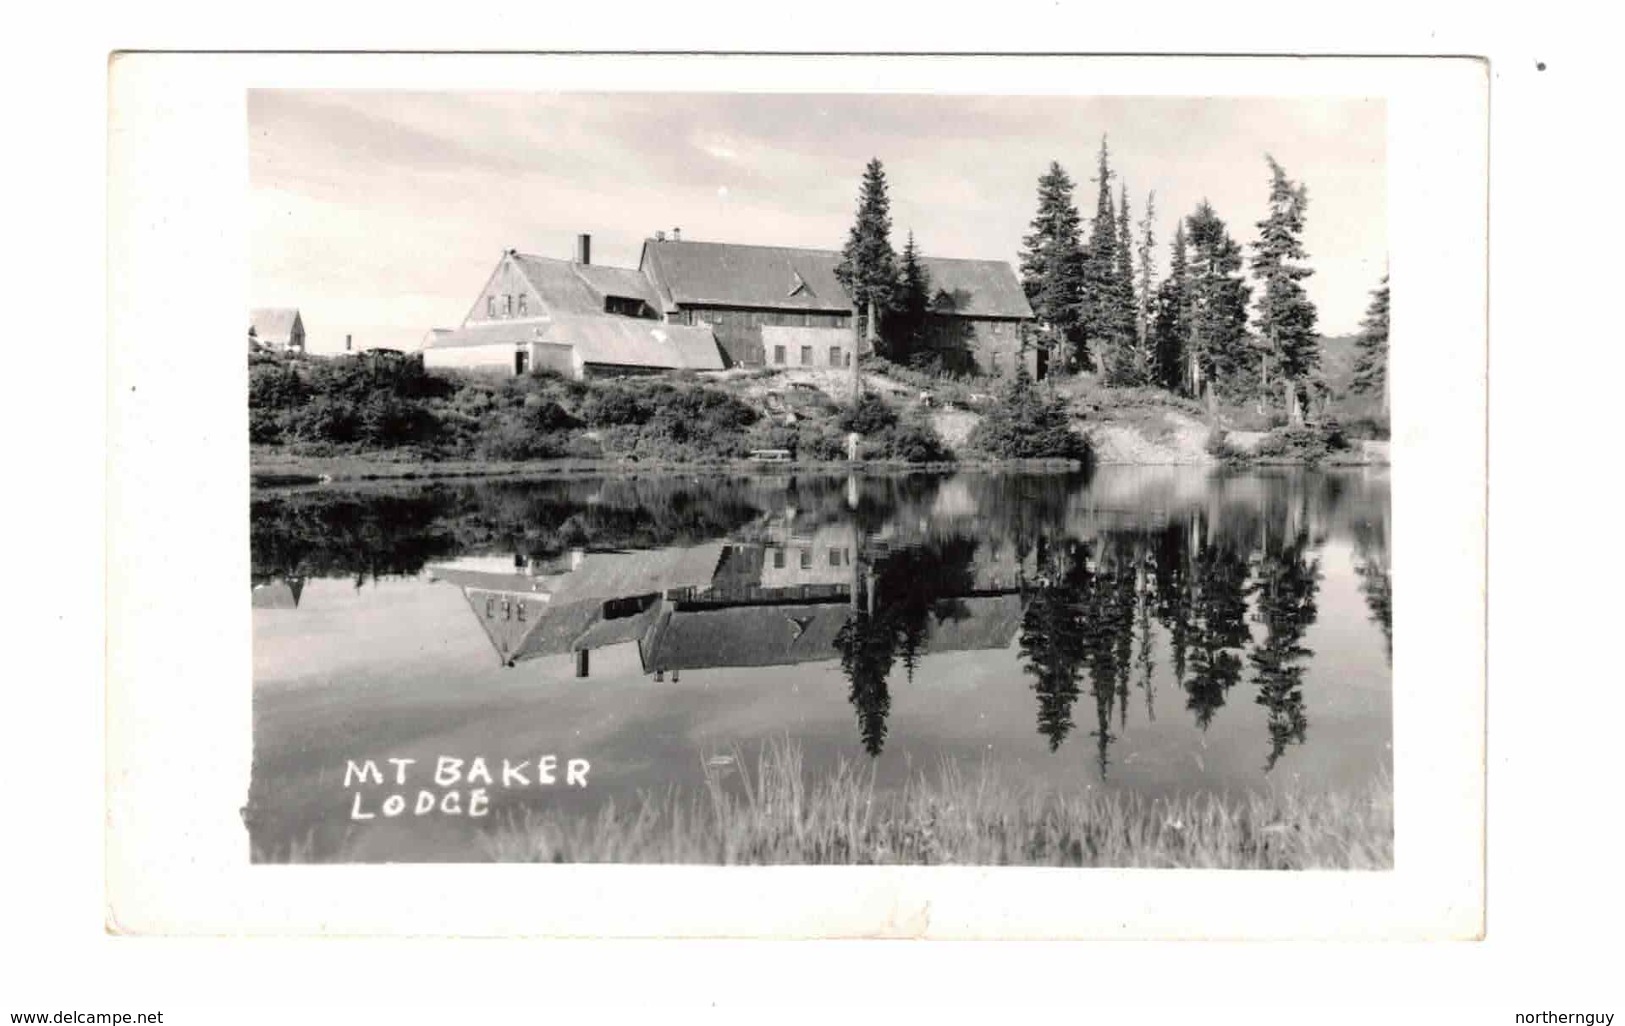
column 869, row 415
column 912, row 440
column 264, row 426
column 387, row 422
column 1026, row 423
column 1305, row 443
column 326, row 419
column 1220, row 447
column 511, row 437
column 274, row 385
column 820, row 440
column 616, row 404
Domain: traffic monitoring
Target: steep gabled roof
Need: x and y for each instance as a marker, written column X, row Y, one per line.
column 780, row 277
column 977, row 288
column 273, row 324
column 622, row 282
column 753, row 635
column 724, row 274
column 560, row 288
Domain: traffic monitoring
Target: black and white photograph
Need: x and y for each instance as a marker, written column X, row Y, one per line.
column 820, row 478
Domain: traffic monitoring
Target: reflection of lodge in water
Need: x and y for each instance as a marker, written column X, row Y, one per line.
column 779, row 598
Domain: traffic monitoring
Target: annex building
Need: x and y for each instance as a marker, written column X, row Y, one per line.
column 708, row 305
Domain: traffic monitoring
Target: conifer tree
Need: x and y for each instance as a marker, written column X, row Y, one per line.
column 1286, row 316
column 1371, row 361
column 1173, row 320
column 1052, row 270
column 1133, row 363
column 1146, row 291
column 1220, row 358
column 909, row 335
column 1100, row 293
column 868, row 267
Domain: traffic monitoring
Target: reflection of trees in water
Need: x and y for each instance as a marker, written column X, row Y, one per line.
column 1108, row 636
column 1376, row 577
column 1052, row 633
column 868, row 647
column 1288, row 582
column 1200, row 578
column 396, row 532
column 348, row 534
column 1080, row 615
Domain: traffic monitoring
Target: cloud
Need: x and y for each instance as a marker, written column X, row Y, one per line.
column 380, row 194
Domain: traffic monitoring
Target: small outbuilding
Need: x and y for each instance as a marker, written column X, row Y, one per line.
column 278, row 329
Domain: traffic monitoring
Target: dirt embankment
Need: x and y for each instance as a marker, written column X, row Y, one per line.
column 1163, row 437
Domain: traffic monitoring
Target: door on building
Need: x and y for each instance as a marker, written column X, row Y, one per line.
column 1041, row 365
column 521, row 362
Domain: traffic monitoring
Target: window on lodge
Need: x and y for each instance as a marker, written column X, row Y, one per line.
column 507, row 306
column 778, row 559
column 806, row 356
column 778, row 357
column 521, row 304
column 806, row 559
column 834, row 356
column 490, row 306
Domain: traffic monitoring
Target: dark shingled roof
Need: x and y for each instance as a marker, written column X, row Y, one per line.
column 746, row 636
column 623, row 282
column 979, row 288
column 561, row 288
column 723, row 274
column 779, row 277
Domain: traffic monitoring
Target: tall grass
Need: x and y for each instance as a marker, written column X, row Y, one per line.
column 774, row 813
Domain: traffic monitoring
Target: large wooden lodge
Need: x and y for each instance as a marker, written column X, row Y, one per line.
column 709, row 305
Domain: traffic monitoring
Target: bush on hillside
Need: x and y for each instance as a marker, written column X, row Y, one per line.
column 910, row 440
column 1302, row 443
column 325, row 419
column 869, row 415
column 1028, row 423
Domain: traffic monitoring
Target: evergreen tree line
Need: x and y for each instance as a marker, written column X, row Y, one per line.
column 1205, row 330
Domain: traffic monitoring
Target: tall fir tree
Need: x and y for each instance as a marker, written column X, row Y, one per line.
column 908, row 333
column 1146, row 289
column 1371, row 349
column 1172, row 326
column 868, row 267
column 1286, row 316
column 1219, row 354
column 1135, row 366
column 1052, row 270
column 1100, row 291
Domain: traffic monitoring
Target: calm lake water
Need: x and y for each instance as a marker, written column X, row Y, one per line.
column 1157, row 630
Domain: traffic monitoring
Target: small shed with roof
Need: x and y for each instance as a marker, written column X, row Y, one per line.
column 277, row 329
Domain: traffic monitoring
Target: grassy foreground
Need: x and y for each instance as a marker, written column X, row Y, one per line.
column 773, row 814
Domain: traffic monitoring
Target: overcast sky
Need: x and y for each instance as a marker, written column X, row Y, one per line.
column 380, row 214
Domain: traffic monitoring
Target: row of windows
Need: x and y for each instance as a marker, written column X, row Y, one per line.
column 807, row 356
column 511, row 609
column 509, row 307
column 837, row 557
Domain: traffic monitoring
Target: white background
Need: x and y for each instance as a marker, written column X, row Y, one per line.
column 1553, row 703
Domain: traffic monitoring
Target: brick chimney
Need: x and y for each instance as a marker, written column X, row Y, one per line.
column 583, row 248
column 677, row 235
column 346, row 343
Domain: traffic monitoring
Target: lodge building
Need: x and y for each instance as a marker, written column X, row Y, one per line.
column 708, row 305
